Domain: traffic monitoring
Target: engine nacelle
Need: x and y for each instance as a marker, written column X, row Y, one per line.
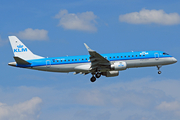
column 119, row 66
column 111, row 73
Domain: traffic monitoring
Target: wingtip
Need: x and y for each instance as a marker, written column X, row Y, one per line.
column 85, row 44
column 87, row 47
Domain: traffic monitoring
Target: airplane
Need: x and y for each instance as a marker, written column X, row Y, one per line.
column 97, row 64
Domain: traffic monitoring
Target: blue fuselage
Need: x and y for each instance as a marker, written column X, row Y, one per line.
column 133, row 59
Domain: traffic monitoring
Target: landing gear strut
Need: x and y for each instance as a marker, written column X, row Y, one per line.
column 159, row 72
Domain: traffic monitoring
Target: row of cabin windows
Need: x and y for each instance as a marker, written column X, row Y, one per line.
column 87, row 59
column 54, row 60
column 128, row 56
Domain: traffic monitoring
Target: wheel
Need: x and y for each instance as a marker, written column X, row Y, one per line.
column 159, row 72
column 93, row 79
column 98, row 75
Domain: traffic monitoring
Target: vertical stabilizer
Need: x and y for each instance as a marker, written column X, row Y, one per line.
column 20, row 50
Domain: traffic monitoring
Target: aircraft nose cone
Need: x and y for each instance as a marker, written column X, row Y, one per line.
column 174, row 60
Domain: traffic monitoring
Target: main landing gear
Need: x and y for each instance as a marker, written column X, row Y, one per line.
column 97, row 75
column 159, row 72
column 93, row 79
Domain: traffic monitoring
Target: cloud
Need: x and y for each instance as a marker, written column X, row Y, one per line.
column 81, row 21
column 151, row 16
column 128, row 99
column 36, row 34
column 91, row 97
column 141, row 99
column 120, row 97
column 28, row 110
column 171, row 106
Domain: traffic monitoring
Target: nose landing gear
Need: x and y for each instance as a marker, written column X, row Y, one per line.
column 159, row 72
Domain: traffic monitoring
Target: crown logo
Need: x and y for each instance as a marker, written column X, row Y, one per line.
column 20, row 46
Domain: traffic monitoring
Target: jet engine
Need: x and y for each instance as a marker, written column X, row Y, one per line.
column 110, row 73
column 119, row 66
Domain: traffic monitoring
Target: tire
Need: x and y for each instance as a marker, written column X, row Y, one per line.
column 93, row 79
column 98, row 75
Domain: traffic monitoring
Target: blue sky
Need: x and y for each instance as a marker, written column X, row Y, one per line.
column 59, row 28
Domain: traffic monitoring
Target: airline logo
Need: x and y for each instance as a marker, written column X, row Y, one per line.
column 120, row 65
column 144, row 53
column 20, row 49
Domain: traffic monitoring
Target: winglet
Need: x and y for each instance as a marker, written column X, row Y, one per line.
column 87, row 47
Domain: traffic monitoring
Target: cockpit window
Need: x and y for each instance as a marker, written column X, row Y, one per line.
column 165, row 54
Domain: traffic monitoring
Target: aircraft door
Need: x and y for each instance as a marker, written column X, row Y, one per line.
column 156, row 56
column 48, row 63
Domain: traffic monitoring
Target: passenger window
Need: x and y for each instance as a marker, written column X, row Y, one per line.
column 68, row 60
column 53, row 60
column 82, row 59
column 86, row 58
column 124, row 56
column 143, row 55
column 132, row 55
column 72, row 59
column 140, row 55
column 61, row 60
column 110, row 57
column 129, row 56
column 136, row 55
column 117, row 56
column 121, row 56
column 57, row 60
column 75, row 59
column 64, row 60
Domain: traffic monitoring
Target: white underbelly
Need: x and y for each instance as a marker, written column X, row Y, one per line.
column 148, row 62
column 61, row 67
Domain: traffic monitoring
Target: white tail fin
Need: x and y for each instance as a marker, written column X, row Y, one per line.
column 20, row 50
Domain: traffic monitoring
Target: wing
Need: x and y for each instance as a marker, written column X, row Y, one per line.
column 98, row 62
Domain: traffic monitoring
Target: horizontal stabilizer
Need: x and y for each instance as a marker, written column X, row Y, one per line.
column 21, row 61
